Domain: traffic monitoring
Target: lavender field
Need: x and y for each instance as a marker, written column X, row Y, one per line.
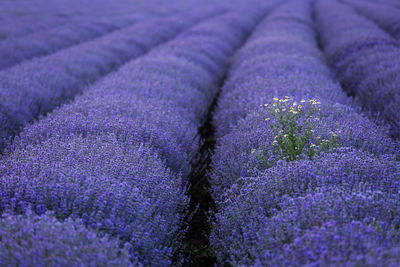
column 200, row 133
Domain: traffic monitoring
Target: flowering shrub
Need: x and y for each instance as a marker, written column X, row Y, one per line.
column 307, row 179
column 364, row 57
column 386, row 16
column 291, row 198
column 36, row 87
column 332, row 244
column 49, row 41
column 293, row 125
column 118, row 156
column 289, row 182
column 31, row 240
column 269, row 64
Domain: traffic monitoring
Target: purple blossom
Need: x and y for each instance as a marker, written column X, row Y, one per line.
column 267, row 215
column 118, row 156
column 16, row 50
column 31, row 240
column 95, row 169
column 40, row 85
column 385, row 16
column 364, row 57
column 260, row 216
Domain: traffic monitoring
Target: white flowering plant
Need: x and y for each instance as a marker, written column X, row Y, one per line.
column 293, row 124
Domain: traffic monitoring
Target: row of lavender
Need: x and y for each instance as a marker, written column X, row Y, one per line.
column 305, row 179
column 28, row 240
column 16, row 50
column 78, row 30
column 117, row 156
column 364, row 57
column 35, row 87
column 387, row 17
column 25, row 17
column 394, row 4
column 19, row 18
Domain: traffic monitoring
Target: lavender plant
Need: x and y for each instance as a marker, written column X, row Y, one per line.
column 342, row 187
column 31, row 240
column 283, row 67
column 307, row 179
column 17, row 50
column 118, row 156
column 364, row 57
column 385, row 16
column 346, row 177
column 38, row 86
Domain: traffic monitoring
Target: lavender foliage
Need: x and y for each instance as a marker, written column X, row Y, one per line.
column 38, row 86
column 281, row 50
column 263, row 217
column 267, row 215
column 298, row 71
column 116, row 187
column 171, row 88
column 81, row 28
column 22, row 18
column 364, row 57
column 105, row 157
column 365, row 245
column 31, row 240
column 94, row 170
column 387, row 17
column 16, row 50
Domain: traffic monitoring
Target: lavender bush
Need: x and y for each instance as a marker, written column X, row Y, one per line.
column 31, row 240
column 279, row 49
column 365, row 245
column 36, row 87
column 16, row 50
column 291, row 198
column 81, row 29
column 105, row 157
column 28, row 17
column 269, row 208
column 364, row 57
column 289, row 76
column 120, row 188
column 114, row 170
column 385, row 16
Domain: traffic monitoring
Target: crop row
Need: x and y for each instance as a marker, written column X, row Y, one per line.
column 106, row 157
column 74, row 31
column 26, row 17
column 305, row 179
column 36, row 87
column 16, row 50
column 300, row 174
column 389, row 3
column 27, row 240
column 22, row 18
column 387, row 17
column 364, row 57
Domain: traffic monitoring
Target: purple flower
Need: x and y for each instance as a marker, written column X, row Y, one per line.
column 31, row 240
